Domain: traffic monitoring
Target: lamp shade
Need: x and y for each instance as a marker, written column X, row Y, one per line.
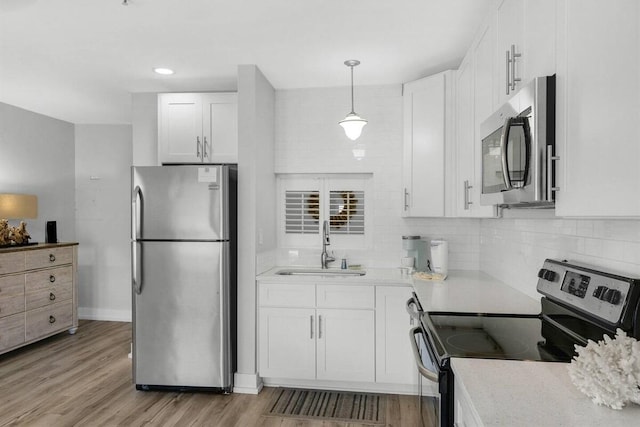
column 18, row 206
column 352, row 125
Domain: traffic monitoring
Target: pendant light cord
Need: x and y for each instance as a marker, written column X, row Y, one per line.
column 353, row 111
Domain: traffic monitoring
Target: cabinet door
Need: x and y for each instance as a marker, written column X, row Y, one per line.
column 180, row 128
column 598, row 109
column 220, row 127
column 509, row 32
column 394, row 357
column 346, row 345
column 287, row 343
column 424, row 146
column 539, row 50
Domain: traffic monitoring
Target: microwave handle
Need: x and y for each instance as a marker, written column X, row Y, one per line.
column 504, row 141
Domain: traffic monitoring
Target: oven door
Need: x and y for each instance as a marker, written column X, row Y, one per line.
column 429, row 406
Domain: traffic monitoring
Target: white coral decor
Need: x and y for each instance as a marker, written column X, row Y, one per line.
column 608, row 371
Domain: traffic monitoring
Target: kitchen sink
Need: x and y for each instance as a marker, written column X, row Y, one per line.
column 320, row 272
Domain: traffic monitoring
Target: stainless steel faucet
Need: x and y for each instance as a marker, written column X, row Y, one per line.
column 324, row 256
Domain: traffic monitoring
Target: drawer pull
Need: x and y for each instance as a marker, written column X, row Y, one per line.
column 52, row 257
column 52, row 319
column 52, row 297
column 52, row 278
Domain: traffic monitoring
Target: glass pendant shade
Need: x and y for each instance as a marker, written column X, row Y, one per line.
column 352, row 125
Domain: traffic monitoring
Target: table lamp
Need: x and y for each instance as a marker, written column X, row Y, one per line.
column 16, row 206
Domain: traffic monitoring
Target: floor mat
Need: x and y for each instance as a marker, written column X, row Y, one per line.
column 329, row 405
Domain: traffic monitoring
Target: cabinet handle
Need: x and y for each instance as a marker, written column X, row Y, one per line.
column 319, row 327
column 514, row 55
column 406, row 200
column 550, row 159
column 311, row 326
column 52, row 257
column 467, row 199
column 52, row 319
column 507, row 63
column 204, row 146
column 52, row 278
column 198, row 147
column 52, row 297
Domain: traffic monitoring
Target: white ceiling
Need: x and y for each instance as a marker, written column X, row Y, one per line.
column 79, row 60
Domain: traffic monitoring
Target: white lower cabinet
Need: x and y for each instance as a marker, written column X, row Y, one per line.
column 287, row 342
column 345, row 345
column 352, row 334
column 464, row 414
column 394, row 357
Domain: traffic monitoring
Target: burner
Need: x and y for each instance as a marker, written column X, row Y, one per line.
column 478, row 343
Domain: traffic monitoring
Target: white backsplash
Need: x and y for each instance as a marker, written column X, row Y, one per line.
column 513, row 249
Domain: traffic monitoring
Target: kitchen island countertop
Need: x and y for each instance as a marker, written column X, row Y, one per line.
column 473, row 292
column 525, row 393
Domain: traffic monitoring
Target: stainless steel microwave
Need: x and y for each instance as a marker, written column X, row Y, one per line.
column 518, row 143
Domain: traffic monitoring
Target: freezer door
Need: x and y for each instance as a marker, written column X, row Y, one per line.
column 180, row 203
column 181, row 329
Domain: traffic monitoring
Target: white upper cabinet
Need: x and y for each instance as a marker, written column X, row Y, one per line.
column 510, row 36
column 428, row 141
column 474, row 102
column 197, row 128
column 598, row 108
column 525, row 44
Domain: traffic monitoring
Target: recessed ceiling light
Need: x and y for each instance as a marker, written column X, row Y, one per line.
column 163, row 71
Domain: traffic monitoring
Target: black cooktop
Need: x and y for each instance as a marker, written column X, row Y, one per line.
column 498, row 336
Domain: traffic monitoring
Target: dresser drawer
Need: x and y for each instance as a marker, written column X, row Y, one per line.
column 49, row 257
column 11, row 262
column 11, row 294
column 11, row 331
column 48, row 320
column 44, row 279
column 48, row 296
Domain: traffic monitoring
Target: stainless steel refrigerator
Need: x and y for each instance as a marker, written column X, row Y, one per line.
column 183, row 276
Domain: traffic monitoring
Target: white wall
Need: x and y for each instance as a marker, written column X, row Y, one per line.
column 256, row 208
column 144, row 116
column 38, row 158
column 513, row 249
column 103, row 160
column 309, row 140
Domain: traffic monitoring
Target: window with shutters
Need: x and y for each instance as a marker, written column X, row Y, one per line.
column 307, row 201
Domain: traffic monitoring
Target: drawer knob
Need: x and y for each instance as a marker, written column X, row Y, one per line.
column 52, row 297
column 52, row 257
column 52, row 278
column 52, row 319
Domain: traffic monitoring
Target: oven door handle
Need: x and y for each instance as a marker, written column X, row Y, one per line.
column 424, row 371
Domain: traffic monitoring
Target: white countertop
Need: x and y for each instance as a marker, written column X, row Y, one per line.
column 473, row 292
column 523, row 393
column 373, row 276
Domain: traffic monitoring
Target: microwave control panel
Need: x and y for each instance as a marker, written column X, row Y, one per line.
column 600, row 294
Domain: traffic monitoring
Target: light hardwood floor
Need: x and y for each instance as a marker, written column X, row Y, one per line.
column 85, row 380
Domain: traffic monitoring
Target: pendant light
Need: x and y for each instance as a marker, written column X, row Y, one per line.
column 353, row 123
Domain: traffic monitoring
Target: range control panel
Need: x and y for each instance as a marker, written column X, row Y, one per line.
column 600, row 294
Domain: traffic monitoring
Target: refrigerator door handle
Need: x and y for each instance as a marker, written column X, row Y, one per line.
column 136, row 247
column 136, row 213
column 136, row 267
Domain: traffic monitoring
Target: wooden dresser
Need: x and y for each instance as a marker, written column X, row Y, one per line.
column 38, row 293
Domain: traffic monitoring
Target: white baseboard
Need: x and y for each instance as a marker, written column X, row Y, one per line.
column 360, row 387
column 247, row 383
column 91, row 313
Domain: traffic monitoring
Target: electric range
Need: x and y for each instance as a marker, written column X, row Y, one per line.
column 579, row 303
